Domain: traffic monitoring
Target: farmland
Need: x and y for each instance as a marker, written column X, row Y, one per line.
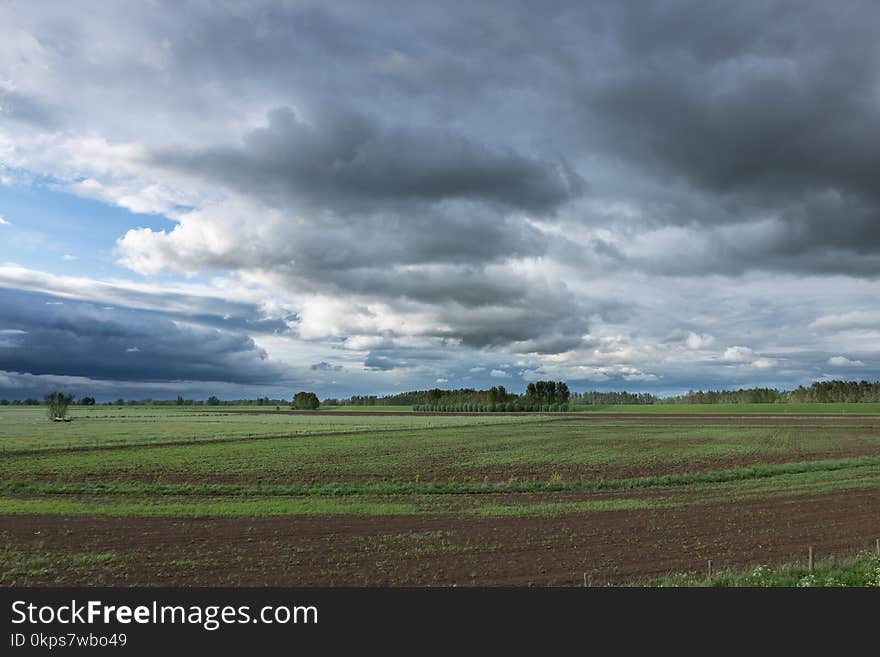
column 214, row 496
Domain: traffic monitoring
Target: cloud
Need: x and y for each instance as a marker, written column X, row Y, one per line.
column 80, row 339
column 326, row 367
column 442, row 380
column 383, row 363
column 499, row 374
column 607, row 192
column 696, row 341
column 3, row 222
column 747, row 356
column 343, row 160
column 853, row 320
column 738, row 354
column 746, row 125
column 226, row 305
column 843, row 361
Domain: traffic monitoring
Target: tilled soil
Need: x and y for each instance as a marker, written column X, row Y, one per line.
column 610, row 547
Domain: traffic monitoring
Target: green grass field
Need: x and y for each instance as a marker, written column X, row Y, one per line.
column 26, row 428
column 177, row 463
column 861, row 570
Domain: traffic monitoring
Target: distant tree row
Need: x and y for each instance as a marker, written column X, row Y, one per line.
column 434, row 397
column 593, row 397
column 518, row 406
column 497, row 398
column 213, row 400
column 546, row 396
column 547, row 392
column 741, row 396
column 836, row 391
column 818, row 392
column 541, row 393
column 538, row 395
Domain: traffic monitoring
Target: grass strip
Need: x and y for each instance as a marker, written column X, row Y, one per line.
column 25, row 487
column 861, row 570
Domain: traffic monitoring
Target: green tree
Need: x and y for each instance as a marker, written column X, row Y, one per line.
column 57, row 404
column 306, row 401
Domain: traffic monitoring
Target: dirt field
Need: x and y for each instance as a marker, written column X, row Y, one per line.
column 611, row 547
column 310, row 500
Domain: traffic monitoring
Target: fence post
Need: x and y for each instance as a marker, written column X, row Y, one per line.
column 810, row 559
column 877, row 546
column 710, row 569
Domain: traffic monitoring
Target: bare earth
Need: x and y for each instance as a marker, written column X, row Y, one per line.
column 610, row 547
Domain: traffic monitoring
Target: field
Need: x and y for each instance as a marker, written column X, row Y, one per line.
column 218, row 496
column 736, row 409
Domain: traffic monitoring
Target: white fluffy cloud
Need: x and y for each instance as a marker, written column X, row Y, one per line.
column 696, row 341
column 738, row 354
column 843, row 361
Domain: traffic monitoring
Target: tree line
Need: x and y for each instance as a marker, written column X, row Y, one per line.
column 595, row 397
column 818, row 392
column 546, row 393
column 539, row 395
column 432, row 397
column 741, row 396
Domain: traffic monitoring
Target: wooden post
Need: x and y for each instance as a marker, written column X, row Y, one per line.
column 810, row 559
column 710, row 569
column 878, row 547
column 585, row 580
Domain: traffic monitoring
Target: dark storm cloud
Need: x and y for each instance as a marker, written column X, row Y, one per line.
column 361, row 252
column 542, row 325
column 212, row 311
column 741, row 98
column 382, row 363
column 765, row 110
column 730, row 113
column 74, row 338
column 343, row 160
column 324, row 366
column 390, row 356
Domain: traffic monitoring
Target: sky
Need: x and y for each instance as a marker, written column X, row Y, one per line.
column 254, row 198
